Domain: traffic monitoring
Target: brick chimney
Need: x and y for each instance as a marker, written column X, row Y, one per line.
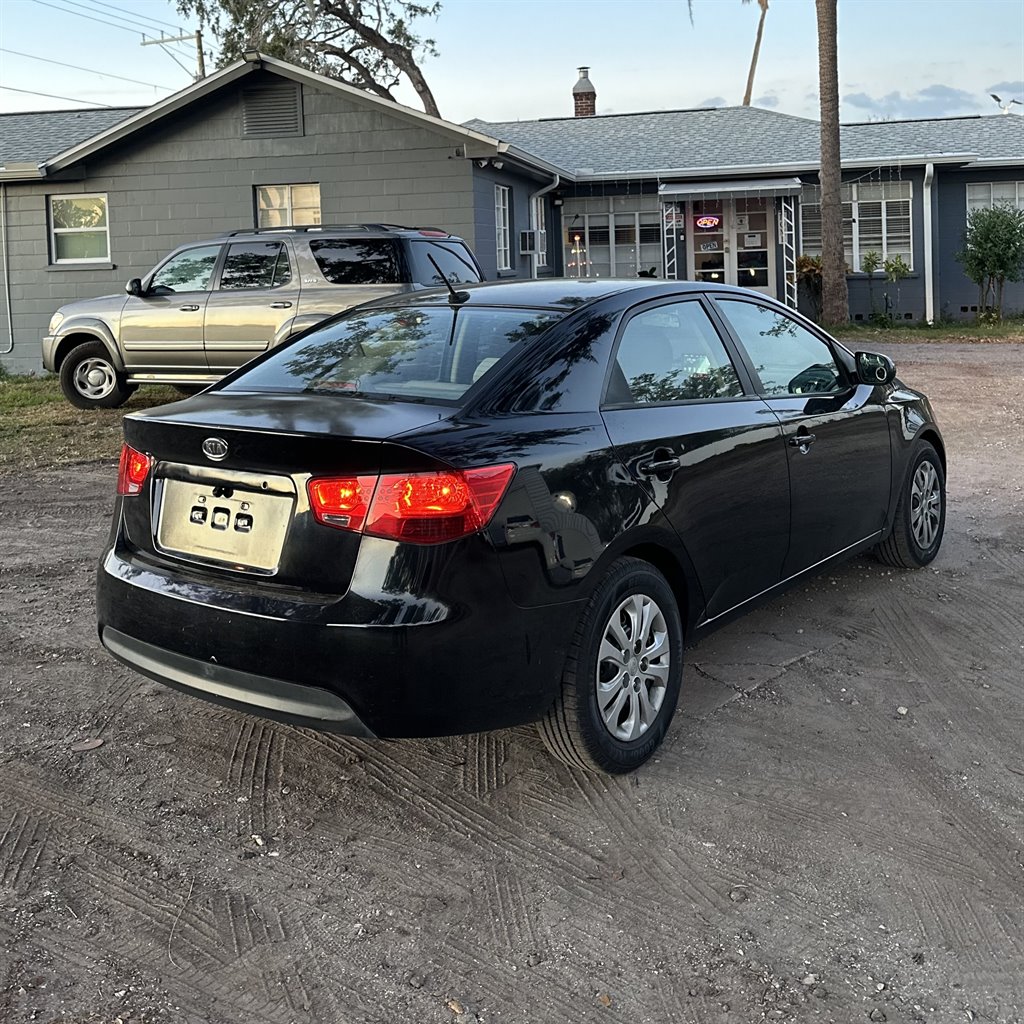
column 584, row 96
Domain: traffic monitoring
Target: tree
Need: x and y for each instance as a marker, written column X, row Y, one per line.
column 992, row 254
column 763, row 4
column 370, row 44
column 835, row 299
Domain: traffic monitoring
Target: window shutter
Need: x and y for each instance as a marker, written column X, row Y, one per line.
column 272, row 110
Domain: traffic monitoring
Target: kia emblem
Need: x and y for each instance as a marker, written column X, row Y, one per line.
column 215, row 448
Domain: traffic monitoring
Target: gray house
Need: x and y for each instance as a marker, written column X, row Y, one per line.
column 91, row 198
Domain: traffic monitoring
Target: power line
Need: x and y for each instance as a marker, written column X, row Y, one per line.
column 50, row 96
column 124, row 16
column 92, row 71
column 175, row 59
column 150, row 18
column 88, row 17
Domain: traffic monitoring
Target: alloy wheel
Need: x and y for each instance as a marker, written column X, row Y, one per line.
column 633, row 667
column 95, row 378
column 925, row 505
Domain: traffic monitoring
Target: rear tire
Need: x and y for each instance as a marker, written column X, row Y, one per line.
column 90, row 380
column 620, row 685
column 920, row 514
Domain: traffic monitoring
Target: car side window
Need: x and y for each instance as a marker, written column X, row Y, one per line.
column 671, row 353
column 788, row 359
column 357, row 261
column 255, row 265
column 189, row 271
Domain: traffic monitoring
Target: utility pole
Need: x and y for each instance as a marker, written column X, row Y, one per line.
column 193, row 37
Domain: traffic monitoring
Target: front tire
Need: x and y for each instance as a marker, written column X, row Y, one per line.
column 920, row 514
column 622, row 674
column 90, row 380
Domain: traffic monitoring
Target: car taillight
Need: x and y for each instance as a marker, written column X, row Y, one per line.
column 132, row 470
column 419, row 508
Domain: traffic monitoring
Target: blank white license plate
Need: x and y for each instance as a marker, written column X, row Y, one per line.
column 243, row 529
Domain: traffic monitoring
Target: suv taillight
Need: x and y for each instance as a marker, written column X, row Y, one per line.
column 419, row 508
column 132, row 470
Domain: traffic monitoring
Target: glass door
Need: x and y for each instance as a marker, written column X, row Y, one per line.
column 732, row 242
column 753, row 245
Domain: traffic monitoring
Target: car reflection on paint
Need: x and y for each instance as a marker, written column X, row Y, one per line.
column 457, row 511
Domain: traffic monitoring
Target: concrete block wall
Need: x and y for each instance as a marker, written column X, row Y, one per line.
column 193, row 176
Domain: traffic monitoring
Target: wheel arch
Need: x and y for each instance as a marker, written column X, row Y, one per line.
column 931, row 435
column 79, row 335
column 683, row 583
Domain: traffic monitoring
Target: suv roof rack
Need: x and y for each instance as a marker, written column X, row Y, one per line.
column 331, row 227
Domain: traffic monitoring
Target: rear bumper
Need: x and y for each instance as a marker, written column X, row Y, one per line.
column 323, row 661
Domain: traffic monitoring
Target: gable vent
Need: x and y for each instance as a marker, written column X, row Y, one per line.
column 272, row 110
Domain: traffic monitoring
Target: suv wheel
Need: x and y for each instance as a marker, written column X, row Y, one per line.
column 90, row 380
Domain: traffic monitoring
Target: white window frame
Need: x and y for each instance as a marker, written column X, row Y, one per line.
column 291, row 204
column 502, row 227
column 55, row 231
column 624, row 259
column 988, row 205
column 853, row 223
column 540, row 223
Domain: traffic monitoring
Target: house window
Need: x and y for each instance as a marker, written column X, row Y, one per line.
column 281, row 206
column 502, row 227
column 983, row 194
column 613, row 237
column 876, row 218
column 79, row 232
column 540, row 222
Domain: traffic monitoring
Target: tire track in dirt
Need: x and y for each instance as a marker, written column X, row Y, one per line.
column 511, row 922
column 22, row 845
column 483, row 770
column 255, row 771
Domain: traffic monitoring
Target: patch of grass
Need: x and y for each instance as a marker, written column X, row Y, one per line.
column 40, row 428
column 961, row 331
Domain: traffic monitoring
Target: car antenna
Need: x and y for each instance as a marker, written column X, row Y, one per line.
column 454, row 298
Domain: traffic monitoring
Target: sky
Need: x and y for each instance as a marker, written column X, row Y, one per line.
column 503, row 60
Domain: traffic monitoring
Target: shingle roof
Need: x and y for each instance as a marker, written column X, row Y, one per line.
column 33, row 137
column 733, row 137
column 989, row 137
column 716, row 138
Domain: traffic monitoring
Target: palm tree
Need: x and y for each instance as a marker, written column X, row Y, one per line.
column 763, row 4
column 835, row 299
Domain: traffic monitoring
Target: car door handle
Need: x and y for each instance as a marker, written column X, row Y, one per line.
column 802, row 440
column 657, row 466
column 280, row 305
column 188, row 309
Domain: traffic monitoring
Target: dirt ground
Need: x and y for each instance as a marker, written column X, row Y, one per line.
column 833, row 831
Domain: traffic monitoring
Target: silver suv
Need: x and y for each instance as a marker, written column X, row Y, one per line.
column 211, row 306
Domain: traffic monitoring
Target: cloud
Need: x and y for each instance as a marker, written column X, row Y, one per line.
column 768, row 100
column 931, row 101
column 1008, row 90
column 714, row 101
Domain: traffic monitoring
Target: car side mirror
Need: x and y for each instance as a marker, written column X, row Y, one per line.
column 874, row 368
column 134, row 286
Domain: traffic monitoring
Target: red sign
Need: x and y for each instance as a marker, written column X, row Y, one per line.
column 708, row 222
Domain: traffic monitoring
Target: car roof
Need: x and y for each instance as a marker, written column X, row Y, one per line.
column 564, row 294
column 332, row 230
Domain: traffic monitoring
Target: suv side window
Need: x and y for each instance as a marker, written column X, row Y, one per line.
column 452, row 257
column 357, row 261
column 255, row 265
column 788, row 359
column 671, row 353
column 189, row 271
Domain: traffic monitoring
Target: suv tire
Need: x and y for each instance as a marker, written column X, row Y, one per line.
column 90, row 380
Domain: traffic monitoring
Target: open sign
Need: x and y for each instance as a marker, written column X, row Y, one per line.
column 708, row 222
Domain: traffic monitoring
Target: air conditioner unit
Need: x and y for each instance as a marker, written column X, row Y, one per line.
column 532, row 242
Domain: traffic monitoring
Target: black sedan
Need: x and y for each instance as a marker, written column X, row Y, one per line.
column 455, row 511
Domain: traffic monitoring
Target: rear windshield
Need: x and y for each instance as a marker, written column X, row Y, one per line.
column 453, row 258
column 427, row 354
column 357, row 261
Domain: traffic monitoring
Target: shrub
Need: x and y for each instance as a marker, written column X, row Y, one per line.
column 992, row 254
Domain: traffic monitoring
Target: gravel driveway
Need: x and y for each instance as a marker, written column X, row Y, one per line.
column 833, row 830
